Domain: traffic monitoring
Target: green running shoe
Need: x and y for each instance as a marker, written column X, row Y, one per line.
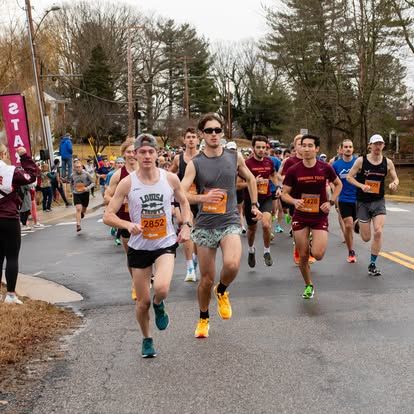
column 309, row 292
column 148, row 350
column 161, row 316
column 288, row 219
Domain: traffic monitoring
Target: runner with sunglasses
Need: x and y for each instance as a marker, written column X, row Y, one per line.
column 218, row 223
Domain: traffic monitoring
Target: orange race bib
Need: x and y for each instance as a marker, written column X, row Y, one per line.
column 80, row 187
column 126, row 207
column 263, row 186
column 154, row 227
column 216, row 208
column 193, row 189
column 311, row 202
column 375, row 186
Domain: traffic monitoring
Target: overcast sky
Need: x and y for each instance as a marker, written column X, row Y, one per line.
column 226, row 20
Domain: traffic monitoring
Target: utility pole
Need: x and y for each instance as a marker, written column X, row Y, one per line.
column 186, row 103
column 38, row 85
column 229, row 123
column 130, row 95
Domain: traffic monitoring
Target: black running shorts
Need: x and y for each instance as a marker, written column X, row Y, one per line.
column 141, row 259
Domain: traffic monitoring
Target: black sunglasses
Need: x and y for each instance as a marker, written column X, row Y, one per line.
column 211, row 130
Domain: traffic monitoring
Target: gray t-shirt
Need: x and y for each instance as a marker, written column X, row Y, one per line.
column 217, row 172
column 81, row 183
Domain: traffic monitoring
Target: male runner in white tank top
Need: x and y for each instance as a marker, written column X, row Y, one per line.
column 153, row 240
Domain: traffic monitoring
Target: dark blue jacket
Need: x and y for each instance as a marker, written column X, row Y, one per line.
column 66, row 148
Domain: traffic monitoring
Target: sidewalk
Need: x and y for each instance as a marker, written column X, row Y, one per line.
column 62, row 212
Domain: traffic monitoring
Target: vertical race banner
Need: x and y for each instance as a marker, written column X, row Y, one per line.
column 13, row 108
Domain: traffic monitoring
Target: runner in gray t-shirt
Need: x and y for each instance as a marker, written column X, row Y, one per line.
column 218, row 224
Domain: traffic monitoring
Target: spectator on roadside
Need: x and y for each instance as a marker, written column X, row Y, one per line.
column 26, row 206
column 66, row 152
column 46, row 186
column 57, row 184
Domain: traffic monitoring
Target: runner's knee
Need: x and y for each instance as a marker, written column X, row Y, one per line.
column 143, row 304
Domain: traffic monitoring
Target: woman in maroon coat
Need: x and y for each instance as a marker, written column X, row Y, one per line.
column 11, row 178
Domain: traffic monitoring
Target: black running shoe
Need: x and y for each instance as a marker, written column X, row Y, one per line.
column 373, row 270
column 251, row 260
column 268, row 259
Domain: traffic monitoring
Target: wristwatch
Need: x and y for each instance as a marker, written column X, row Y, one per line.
column 255, row 205
column 331, row 202
column 188, row 224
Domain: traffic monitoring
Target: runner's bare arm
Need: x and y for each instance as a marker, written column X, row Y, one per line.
column 337, row 187
column 287, row 198
column 110, row 190
column 393, row 186
column 174, row 165
column 180, row 197
column 240, row 184
column 110, row 218
column 353, row 172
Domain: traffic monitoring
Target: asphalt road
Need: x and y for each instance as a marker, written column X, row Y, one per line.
column 349, row 350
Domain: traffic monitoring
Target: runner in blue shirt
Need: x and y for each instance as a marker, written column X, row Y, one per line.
column 347, row 197
column 277, row 210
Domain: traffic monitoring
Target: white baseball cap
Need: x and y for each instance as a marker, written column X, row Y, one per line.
column 376, row 138
column 231, row 145
column 323, row 156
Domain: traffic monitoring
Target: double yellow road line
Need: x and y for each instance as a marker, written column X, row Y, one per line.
column 399, row 258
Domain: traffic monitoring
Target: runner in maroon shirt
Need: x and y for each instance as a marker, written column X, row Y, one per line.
column 263, row 169
column 305, row 188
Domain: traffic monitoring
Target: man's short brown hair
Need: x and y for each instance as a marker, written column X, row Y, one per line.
column 190, row 130
column 128, row 142
column 211, row 116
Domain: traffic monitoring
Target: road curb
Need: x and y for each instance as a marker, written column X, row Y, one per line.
column 400, row 199
column 69, row 213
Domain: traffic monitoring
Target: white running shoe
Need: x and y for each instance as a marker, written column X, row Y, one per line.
column 190, row 276
column 12, row 300
column 25, row 228
column 38, row 225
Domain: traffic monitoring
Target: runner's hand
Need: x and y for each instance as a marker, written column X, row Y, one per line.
column 393, row 186
column 325, row 207
column 256, row 213
column 134, row 228
column 21, row 151
column 299, row 203
column 184, row 234
column 258, row 178
column 366, row 188
column 214, row 196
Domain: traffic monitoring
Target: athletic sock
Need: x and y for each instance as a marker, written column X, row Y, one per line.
column 266, row 250
column 221, row 288
column 204, row 315
column 373, row 258
column 195, row 258
column 251, row 249
column 190, row 264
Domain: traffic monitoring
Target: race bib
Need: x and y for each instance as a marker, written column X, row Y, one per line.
column 263, row 186
column 154, row 227
column 80, row 187
column 311, row 203
column 216, row 208
column 193, row 189
column 126, row 207
column 375, row 186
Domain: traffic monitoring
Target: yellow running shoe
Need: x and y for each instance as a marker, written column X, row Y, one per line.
column 223, row 304
column 202, row 328
column 133, row 293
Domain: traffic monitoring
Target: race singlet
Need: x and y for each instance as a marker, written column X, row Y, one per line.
column 80, row 187
column 154, row 227
column 216, row 208
column 262, row 186
column 375, row 186
column 311, row 203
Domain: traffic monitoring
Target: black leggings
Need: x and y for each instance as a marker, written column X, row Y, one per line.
column 10, row 238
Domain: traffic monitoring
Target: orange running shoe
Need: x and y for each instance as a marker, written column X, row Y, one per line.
column 133, row 293
column 351, row 257
column 223, row 304
column 202, row 328
column 311, row 259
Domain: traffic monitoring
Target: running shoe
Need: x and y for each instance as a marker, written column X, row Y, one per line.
column 373, row 270
column 296, row 257
column 309, row 292
column 244, row 231
column 288, row 219
column 148, row 350
column 133, row 293
column 223, row 304
column 311, row 259
column 161, row 316
column 190, row 276
column 272, row 236
column 82, row 215
column 25, row 228
column 12, row 300
column 251, row 259
column 117, row 242
column 78, row 228
column 290, row 233
column 113, row 231
column 356, row 226
column 268, row 259
column 38, row 225
column 202, row 328
column 351, row 257
column 278, row 228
